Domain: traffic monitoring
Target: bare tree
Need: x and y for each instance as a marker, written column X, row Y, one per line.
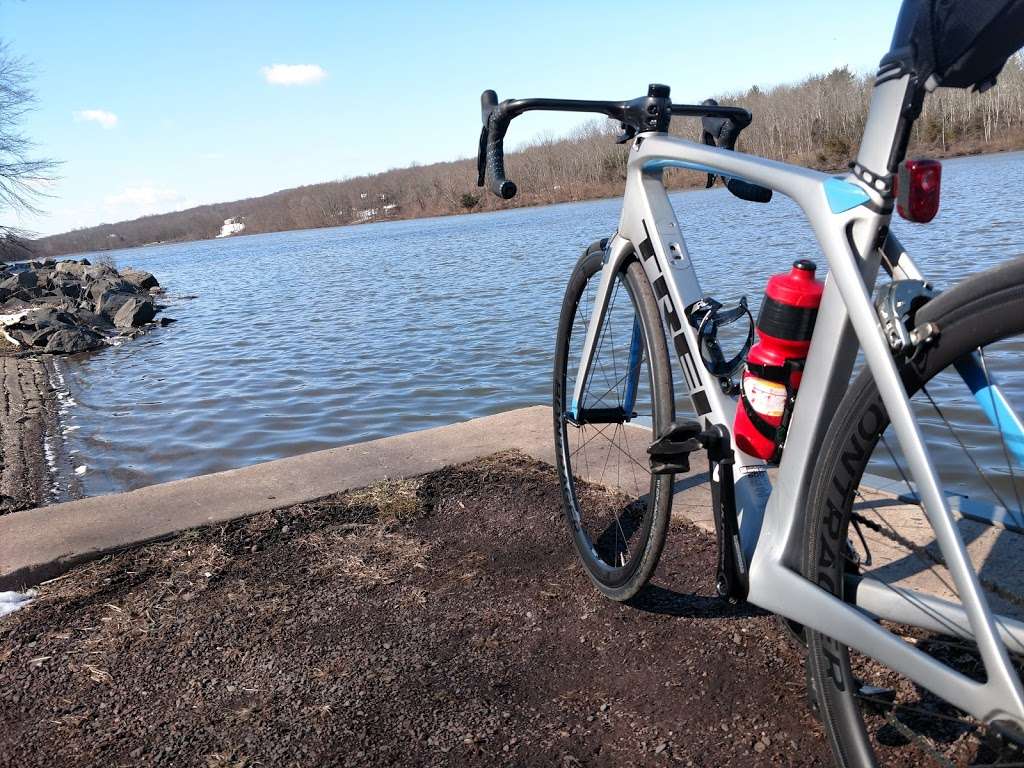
column 22, row 176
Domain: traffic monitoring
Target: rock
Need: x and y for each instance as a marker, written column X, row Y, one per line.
column 99, row 271
column 71, row 268
column 68, row 288
column 21, row 333
column 39, row 337
column 74, row 305
column 140, row 279
column 108, row 284
column 62, row 303
column 134, row 313
column 93, row 320
column 109, row 303
column 165, row 321
column 26, row 279
column 53, row 317
column 67, row 341
column 13, row 305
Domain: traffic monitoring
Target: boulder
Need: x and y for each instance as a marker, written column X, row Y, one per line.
column 13, row 305
column 135, row 312
column 99, row 271
column 29, row 294
column 65, row 286
column 26, row 279
column 62, row 303
column 93, row 320
column 39, row 337
column 108, row 284
column 21, row 333
column 110, row 302
column 141, row 279
column 53, row 316
column 71, row 268
column 67, row 341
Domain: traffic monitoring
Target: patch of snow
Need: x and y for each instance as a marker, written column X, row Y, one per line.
column 11, row 319
column 12, row 601
column 231, row 227
column 81, row 470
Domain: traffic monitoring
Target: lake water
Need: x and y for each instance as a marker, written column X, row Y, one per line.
column 299, row 341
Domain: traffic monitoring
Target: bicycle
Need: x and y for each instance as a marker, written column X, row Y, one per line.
column 892, row 669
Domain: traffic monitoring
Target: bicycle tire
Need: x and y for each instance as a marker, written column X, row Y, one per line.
column 985, row 309
column 616, row 583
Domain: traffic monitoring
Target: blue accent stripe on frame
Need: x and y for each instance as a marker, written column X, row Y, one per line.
column 994, row 403
column 633, row 371
column 842, row 195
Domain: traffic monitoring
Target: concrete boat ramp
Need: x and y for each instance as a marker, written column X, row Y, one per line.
column 41, row 544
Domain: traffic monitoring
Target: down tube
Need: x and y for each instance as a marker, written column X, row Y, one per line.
column 649, row 220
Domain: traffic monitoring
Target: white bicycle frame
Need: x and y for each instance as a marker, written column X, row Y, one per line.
column 847, row 216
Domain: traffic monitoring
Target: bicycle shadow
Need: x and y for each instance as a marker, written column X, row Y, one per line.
column 668, row 602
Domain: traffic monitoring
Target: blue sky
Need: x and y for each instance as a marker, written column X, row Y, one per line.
column 155, row 106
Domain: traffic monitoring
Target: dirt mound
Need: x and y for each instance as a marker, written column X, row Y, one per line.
column 437, row 621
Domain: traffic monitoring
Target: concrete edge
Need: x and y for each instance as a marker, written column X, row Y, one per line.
column 43, row 543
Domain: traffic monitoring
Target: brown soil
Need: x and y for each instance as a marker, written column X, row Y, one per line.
column 442, row 621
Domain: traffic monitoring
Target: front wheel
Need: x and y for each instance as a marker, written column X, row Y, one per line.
column 616, row 509
column 866, row 526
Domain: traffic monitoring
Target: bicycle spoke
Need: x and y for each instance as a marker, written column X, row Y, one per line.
column 999, row 427
column 960, row 442
column 612, row 486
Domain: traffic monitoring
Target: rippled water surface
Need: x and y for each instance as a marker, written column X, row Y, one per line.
column 298, row 341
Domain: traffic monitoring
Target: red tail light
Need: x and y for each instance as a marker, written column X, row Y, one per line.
column 917, row 190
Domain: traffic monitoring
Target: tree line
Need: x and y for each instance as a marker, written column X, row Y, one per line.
column 817, row 122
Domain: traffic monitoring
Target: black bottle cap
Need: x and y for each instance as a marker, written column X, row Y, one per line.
column 805, row 264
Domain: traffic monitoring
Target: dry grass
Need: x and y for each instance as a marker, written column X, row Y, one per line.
column 358, row 536
column 392, row 499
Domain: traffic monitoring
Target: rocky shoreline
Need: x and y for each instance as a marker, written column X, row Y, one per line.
column 52, row 308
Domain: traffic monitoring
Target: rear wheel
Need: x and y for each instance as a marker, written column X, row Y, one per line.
column 616, row 509
column 866, row 526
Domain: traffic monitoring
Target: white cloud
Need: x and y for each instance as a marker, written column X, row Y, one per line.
column 293, row 74
column 142, row 200
column 101, row 116
column 145, row 194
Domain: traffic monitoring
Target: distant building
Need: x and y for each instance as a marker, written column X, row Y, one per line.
column 232, row 226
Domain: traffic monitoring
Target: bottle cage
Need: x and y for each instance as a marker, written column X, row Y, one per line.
column 781, row 374
column 708, row 316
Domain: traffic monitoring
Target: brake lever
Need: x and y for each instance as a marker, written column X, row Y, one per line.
column 709, row 140
column 481, row 157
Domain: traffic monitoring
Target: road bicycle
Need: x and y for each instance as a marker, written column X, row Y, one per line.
column 914, row 644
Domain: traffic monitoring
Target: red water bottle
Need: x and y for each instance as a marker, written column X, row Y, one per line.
column 774, row 365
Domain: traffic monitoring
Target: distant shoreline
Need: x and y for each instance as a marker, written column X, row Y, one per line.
column 681, row 182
